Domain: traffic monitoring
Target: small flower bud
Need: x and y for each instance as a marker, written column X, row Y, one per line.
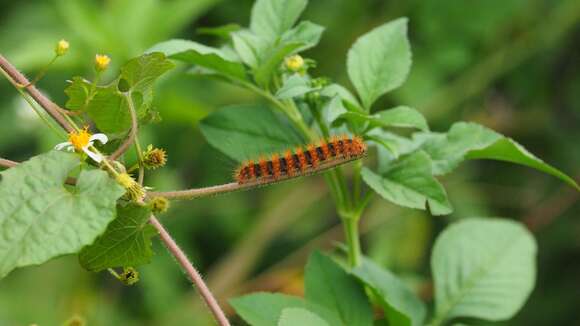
column 129, row 276
column 61, row 48
column 154, row 158
column 159, row 205
column 101, row 62
column 75, row 321
column 135, row 192
column 294, row 63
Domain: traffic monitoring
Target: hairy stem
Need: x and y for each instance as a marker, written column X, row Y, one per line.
column 132, row 133
column 193, row 274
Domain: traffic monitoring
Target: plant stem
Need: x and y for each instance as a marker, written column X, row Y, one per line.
column 193, row 274
column 44, row 102
column 352, row 240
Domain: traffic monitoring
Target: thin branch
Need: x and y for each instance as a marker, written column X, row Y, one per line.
column 191, row 272
column 132, row 134
column 7, row 163
column 234, row 186
column 45, row 103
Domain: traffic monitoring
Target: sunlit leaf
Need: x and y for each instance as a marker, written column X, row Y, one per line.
column 483, row 268
column 380, row 60
column 42, row 218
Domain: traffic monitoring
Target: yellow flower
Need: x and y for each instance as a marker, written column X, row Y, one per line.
column 294, row 63
column 102, row 62
column 81, row 141
column 61, row 48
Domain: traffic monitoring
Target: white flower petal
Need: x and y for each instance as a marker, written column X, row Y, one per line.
column 60, row 146
column 102, row 138
column 96, row 157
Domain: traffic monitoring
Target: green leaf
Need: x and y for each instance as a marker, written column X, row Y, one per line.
column 328, row 285
column 41, row 218
column 78, row 92
column 380, row 61
column 294, row 86
column 126, row 242
column 483, row 268
column 306, row 33
column 198, row 54
column 250, row 47
column 350, row 100
column 409, row 182
column 265, row 309
column 272, row 61
column 299, row 316
column 247, row 131
column 271, row 18
column 402, row 307
column 108, row 106
column 401, row 116
column 224, row 31
column 473, row 141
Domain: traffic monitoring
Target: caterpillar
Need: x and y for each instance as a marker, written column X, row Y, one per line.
column 303, row 161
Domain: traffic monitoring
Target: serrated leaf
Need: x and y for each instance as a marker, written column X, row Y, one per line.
column 247, row 131
column 483, row 268
column 271, row 18
column 108, row 106
column 401, row 116
column 265, row 309
column 294, row 86
column 126, row 242
column 379, row 61
column 402, row 307
column 328, row 285
column 409, row 182
column 41, row 219
column 306, row 33
column 205, row 56
column 299, row 316
column 473, row 141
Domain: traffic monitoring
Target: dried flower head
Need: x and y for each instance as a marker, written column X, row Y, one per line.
column 159, row 205
column 154, row 158
column 129, row 276
column 134, row 191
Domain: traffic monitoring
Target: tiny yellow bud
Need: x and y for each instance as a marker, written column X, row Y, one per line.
column 159, row 205
column 294, row 63
column 75, row 321
column 129, row 276
column 102, row 62
column 61, row 48
column 154, row 158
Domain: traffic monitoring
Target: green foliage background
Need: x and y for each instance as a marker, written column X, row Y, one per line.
column 511, row 65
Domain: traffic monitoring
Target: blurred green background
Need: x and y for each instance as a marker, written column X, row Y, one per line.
column 512, row 65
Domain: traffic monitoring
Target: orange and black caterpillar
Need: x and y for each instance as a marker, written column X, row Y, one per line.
column 305, row 160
